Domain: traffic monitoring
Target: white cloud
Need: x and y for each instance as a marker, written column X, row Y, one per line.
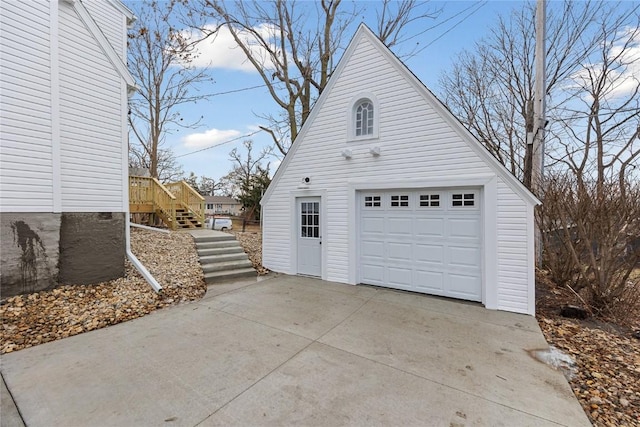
column 209, row 138
column 221, row 50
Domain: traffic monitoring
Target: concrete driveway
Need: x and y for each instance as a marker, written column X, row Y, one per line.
column 297, row 351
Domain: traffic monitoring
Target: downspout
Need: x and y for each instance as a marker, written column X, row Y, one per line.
column 136, row 262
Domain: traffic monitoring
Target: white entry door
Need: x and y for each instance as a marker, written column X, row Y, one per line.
column 309, row 237
column 425, row 241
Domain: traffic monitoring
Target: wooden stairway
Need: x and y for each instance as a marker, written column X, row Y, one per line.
column 176, row 204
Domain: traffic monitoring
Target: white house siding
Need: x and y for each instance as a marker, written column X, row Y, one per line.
column 111, row 22
column 514, row 261
column 91, row 128
column 25, row 106
column 413, row 139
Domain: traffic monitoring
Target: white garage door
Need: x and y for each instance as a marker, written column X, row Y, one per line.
column 425, row 241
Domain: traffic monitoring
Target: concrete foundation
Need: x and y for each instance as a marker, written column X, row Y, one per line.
column 29, row 252
column 41, row 250
column 92, row 247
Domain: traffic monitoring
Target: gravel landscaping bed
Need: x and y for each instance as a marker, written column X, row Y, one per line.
column 251, row 242
column 36, row 318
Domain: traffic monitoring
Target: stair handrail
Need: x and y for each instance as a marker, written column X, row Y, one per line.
column 144, row 189
column 188, row 198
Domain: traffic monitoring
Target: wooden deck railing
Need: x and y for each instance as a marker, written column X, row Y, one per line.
column 188, row 198
column 148, row 195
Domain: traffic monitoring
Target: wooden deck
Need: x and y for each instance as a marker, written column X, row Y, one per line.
column 176, row 204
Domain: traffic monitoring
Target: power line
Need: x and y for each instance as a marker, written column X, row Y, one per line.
column 479, row 6
column 237, row 90
column 219, row 144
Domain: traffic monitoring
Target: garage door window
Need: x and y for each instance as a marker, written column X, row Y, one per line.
column 430, row 200
column 400, row 200
column 372, row 201
column 463, row 199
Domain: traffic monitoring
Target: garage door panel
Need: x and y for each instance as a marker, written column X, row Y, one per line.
column 421, row 246
column 398, row 226
column 429, row 227
column 372, row 274
column 398, row 276
column 429, row 281
column 372, row 225
column 399, row 251
column 464, row 286
column 464, row 228
column 464, row 256
column 429, row 253
column 372, row 248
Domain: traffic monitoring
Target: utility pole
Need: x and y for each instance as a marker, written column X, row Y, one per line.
column 539, row 105
column 539, row 115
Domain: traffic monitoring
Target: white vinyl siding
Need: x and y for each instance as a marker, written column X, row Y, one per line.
column 88, row 106
column 25, row 106
column 91, row 130
column 111, row 23
column 513, row 259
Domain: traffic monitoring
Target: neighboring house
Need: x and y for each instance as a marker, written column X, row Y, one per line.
column 64, row 86
column 216, row 205
column 383, row 186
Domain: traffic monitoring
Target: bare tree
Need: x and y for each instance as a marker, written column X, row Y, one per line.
column 293, row 46
column 169, row 170
column 491, row 87
column 245, row 166
column 204, row 185
column 599, row 139
column 159, row 60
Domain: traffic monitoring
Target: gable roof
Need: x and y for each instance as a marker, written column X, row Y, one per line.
column 225, row 200
column 364, row 32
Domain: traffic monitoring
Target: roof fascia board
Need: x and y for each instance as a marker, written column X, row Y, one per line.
column 314, row 112
column 104, row 44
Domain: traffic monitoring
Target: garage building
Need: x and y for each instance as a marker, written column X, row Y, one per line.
column 384, row 186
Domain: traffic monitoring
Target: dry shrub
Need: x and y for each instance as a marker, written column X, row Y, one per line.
column 591, row 240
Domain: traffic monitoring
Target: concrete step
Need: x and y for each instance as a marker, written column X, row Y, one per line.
column 220, row 251
column 222, row 258
column 221, row 276
column 213, row 259
column 216, row 245
column 222, row 237
column 227, row 266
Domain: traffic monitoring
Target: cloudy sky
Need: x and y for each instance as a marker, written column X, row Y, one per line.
column 234, row 113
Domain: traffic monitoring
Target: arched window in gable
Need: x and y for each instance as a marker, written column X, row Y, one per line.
column 364, row 118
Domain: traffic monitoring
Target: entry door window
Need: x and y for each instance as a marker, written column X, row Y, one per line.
column 310, row 219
